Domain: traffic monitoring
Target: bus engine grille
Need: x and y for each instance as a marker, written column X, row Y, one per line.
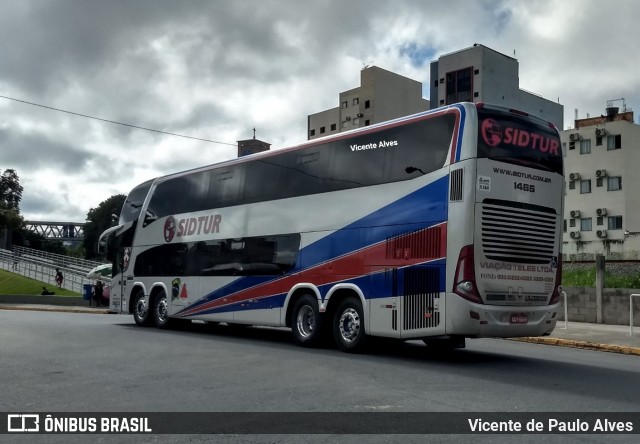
column 518, row 232
column 421, row 287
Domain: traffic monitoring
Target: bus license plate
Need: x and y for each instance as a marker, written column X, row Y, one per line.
column 519, row 318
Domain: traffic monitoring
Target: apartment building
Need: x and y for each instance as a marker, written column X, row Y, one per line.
column 602, row 205
column 481, row 74
column 381, row 96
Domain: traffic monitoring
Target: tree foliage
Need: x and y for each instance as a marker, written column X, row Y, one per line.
column 98, row 220
column 10, row 190
column 10, row 197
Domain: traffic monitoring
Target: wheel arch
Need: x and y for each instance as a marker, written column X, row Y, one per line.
column 295, row 293
column 340, row 292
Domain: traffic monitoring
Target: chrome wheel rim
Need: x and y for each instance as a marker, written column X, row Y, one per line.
column 141, row 309
column 162, row 312
column 349, row 325
column 306, row 321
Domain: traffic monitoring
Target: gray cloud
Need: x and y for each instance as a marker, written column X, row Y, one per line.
column 216, row 69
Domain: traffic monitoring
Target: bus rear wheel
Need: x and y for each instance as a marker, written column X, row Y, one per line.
column 306, row 322
column 141, row 310
column 161, row 310
column 348, row 326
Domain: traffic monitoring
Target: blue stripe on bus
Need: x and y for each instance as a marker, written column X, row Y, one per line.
column 379, row 225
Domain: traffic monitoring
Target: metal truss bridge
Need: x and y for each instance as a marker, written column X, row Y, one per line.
column 64, row 231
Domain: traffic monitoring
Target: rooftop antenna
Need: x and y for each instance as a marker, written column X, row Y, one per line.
column 254, row 132
column 366, row 65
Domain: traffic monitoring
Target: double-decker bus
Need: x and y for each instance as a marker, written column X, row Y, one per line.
column 439, row 226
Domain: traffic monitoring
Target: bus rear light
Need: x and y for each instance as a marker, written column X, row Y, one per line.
column 555, row 296
column 464, row 283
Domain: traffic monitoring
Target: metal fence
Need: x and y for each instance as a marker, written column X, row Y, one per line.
column 41, row 266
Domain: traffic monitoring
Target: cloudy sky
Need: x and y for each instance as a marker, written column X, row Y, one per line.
column 216, row 69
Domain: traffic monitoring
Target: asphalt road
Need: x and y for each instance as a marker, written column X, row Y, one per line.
column 98, row 363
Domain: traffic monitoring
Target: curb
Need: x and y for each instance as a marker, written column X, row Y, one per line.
column 61, row 309
column 623, row 349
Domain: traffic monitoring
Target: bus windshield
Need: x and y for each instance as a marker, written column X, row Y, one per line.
column 510, row 138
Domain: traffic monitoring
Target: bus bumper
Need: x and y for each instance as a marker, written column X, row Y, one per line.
column 469, row 319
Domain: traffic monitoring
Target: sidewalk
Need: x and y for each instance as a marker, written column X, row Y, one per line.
column 603, row 337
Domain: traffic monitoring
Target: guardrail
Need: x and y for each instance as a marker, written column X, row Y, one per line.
column 44, row 270
column 60, row 260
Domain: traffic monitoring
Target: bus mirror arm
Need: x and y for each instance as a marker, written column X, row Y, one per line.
column 412, row 169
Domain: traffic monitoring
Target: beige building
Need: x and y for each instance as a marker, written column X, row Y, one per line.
column 480, row 74
column 602, row 204
column 475, row 74
column 381, row 96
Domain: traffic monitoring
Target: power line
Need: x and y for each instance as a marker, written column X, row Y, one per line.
column 114, row 122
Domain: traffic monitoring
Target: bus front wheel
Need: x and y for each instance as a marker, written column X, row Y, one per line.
column 348, row 326
column 141, row 310
column 305, row 321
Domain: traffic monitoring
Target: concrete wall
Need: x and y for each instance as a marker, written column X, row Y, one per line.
column 582, row 307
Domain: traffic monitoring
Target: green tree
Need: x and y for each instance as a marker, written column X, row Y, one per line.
column 10, row 190
column 10, row 196
column 98, row 220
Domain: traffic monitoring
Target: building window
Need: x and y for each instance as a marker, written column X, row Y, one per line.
column 312, row 133
column 356, row 122
column 345, row 123
column 322, row 130
column 614, row 142
column 615, row 223
column 565, row 226
column 572, row 185
column 585, row 224
column 459, row 86
column 598, row 140
column 600, row 220
column 572, row 223
column 599, row 182
column 356, row 101
column 333, row 127
column 585, row 146
column 585, row 186
column 614, row 183
column 367, row 122
column 367, row 104
column 345, row 104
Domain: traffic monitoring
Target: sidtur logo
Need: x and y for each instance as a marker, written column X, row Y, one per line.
column 491, row 132
column 169, row 229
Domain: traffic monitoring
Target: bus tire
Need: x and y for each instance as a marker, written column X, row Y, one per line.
column 161, row 311
column 348, row 326
column 141, row 312
column 306, row 324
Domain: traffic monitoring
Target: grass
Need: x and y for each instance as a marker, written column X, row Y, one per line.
column 11, row 283
column 587, row 278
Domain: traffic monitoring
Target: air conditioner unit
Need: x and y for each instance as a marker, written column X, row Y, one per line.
column 574, row 176
column 574, row 137
column 360, row 115
column 601, row 211
column 601, row 233
column 601, row 173
column 347, row 118
column 575, row 235
column 601, row 132
column 575, row 214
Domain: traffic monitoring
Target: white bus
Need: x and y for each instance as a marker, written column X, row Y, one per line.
column 440, row 226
